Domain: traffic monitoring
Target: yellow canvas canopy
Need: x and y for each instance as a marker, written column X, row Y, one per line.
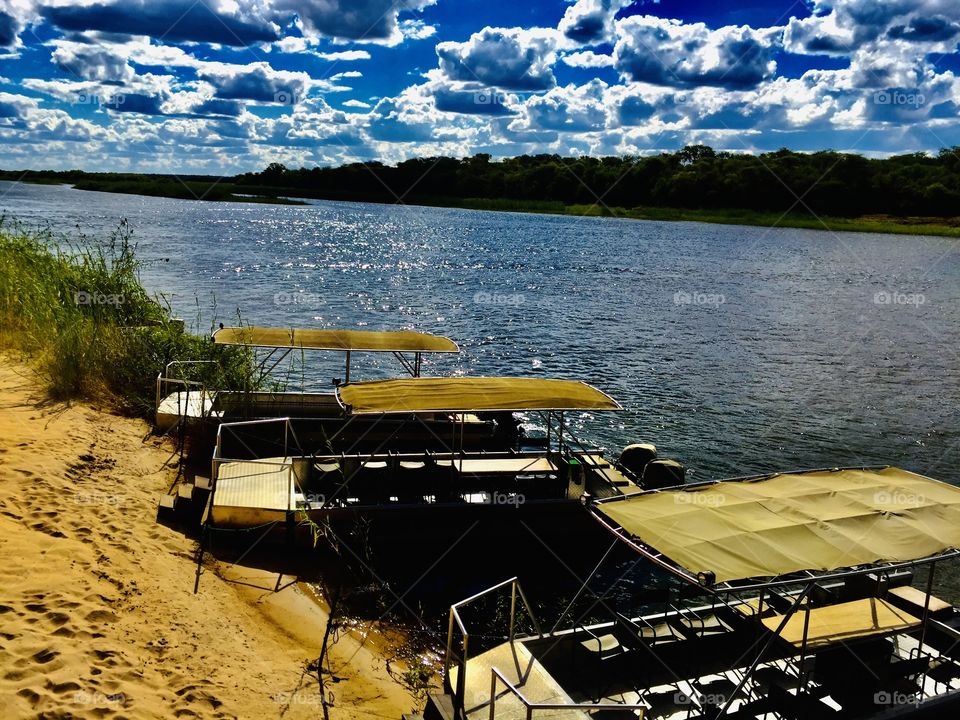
column 818, row 521
column 341, row 340
column 415, row 395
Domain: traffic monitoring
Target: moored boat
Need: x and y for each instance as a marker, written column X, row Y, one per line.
column 283, row 482
column 795, row 595
column 188, row 406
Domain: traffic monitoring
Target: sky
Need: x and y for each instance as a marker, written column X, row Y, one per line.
column 227, row 86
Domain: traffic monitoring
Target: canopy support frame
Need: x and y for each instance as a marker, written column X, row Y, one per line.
column 263, row 364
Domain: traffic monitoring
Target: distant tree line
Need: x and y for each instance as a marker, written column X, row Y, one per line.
column 696, row 177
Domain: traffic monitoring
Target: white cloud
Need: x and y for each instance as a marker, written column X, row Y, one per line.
column 357, row 20
column 257, row 82
column 567, row 109
column 355, row 104
column 589, row 22
column 669, row 52
column 587, row 59
column 509, row 58
column 91, row 62
column 417, row 29
column 344, row 55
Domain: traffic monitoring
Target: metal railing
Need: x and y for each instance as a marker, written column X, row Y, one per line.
column 531, row 707
column 456, row 622
column 288, row 435
column 164, row 380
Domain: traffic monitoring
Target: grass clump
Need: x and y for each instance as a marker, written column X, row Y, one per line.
column 79, row 311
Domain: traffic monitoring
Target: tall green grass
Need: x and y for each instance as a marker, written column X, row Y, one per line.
column 78, row 310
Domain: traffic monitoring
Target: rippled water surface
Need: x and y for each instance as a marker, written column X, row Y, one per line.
column 735, row 349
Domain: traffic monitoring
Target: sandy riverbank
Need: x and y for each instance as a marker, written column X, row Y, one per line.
column 98, row 613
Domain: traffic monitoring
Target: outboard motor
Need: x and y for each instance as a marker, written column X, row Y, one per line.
column 634, row 458
column 662, row 473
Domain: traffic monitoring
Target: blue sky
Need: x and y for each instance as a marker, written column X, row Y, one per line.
column 225, row 86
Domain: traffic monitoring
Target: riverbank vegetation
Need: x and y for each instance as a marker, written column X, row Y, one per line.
column 78, row 310
column 913, row 193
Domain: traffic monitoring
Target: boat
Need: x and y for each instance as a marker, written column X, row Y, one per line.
column 262, row 472
column 188, row 407
column 797, row 595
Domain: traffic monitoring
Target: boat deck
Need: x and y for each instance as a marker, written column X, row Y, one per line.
column 520, row 669
column 253, row 493
column 694, row 664
column 188, row 403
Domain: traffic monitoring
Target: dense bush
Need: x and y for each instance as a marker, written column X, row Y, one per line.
column 81, row 313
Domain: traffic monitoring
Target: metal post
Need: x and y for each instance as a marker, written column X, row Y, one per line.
column 803, row 647
column 763, row 651
column 347, row 371
column 513, row 606
column 926, row 605
column 462, row 677
column 493, row 695
column 446, row 657
column 560, row 436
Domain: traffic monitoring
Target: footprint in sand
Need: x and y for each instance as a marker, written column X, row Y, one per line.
column 62, row 688
column 58, row 618
column 47, row 530
column 45, row 656
column 31, row 696
column 101, row 616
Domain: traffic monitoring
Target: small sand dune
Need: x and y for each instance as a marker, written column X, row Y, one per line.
column 97, row 612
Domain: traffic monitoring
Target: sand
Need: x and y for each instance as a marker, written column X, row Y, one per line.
column 97, row 612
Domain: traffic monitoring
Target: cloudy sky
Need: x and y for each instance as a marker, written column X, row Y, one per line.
column 222, row 86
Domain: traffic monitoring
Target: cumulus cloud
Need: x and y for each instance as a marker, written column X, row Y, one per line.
column 257, row 81
column 416, row 29
column 512, row 59
column 243, row 22
column 473, row 102
column 587, row 59
column 669, row 52
column 137, row 103
column 841, row 27
column 217, row 106
column 391, row 121
column 91, row 62
column 15, row 106
column 359, row 20
column 569, row 109
column 926, row 29
column 10, row 28
column 590, row 22
column 172, row 20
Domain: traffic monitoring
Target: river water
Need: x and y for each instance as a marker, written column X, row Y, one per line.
column 735, row 349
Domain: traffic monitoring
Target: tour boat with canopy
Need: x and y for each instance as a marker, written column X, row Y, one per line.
column 791, row 595
column 262, row 472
